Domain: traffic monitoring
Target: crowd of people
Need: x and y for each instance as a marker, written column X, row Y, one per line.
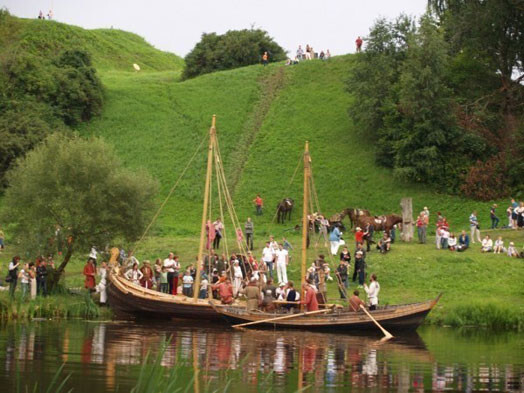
column 49, row 15
column 228, row 277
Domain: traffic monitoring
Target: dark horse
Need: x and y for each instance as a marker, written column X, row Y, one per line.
column 381, row 223
column 354, row 214
column 284, row 209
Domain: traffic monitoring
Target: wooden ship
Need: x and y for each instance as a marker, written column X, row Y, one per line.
column 398, row 317
column 128, row 298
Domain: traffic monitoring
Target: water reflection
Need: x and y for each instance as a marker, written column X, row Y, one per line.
column 108, row 356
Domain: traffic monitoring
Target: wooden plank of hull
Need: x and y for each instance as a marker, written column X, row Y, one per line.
column 407, row 317
column 130, row 298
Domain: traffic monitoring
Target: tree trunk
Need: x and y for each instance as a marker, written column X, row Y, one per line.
column 55, row 275
column 407, row 219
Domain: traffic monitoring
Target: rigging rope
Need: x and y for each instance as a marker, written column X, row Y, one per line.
column 168, row 196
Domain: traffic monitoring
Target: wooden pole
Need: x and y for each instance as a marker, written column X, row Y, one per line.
column 386, row 333
column 289, row 316
column 212, row 134
column 407, row 219
column 305, row 223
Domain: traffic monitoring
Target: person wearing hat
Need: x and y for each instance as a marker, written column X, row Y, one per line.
column 359, row 236
column 493, row 215
column 512, row 250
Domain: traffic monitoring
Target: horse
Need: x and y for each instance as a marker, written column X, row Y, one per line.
column 284, row 209
column 380, row 223
column 336, row 219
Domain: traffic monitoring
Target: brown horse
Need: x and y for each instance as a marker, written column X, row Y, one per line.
column 284, row 209
column 336, row 219
column 380, row 223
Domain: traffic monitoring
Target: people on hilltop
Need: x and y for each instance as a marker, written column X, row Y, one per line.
column 358, row 43
column 265, row 59
column 259, row 204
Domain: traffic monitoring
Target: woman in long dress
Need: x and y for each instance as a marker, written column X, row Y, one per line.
column 134, row 275
column 102, row 285
column 32, row 281
column 237, row 277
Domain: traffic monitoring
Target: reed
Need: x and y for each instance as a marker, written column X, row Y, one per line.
column 57, row 385
column 58, row 306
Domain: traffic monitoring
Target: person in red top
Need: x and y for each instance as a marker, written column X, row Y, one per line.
column 359, row 236
column 310, row 297
column 259, row 203
column 89, row 272
column 355, row 302
column 359, row 43
column 225, row 290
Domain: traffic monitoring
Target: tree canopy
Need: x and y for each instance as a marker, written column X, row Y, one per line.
column 236, row 48
column 78, row 186
column 443, row 97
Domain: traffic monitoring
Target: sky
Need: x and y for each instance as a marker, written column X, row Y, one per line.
column 176, row 26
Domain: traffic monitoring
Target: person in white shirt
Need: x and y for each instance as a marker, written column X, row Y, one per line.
column 170, row 265
column 24, row 280
column 282, row 258
column 237, row 277
column 102, row 285
column 187, row 284
column 281, row 291
column 134, row 275
column 498, row 248
column 444, row 237
column 452, row 242
column 512, row 250
column 273, row 244
column 487, row 244
column 372, row 292
column 268, row 256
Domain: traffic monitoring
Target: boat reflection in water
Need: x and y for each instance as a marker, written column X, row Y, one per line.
column 107, row 356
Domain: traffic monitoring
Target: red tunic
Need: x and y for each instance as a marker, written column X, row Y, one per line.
column 225, row 290
column 89, row 272
column 311, row 300
column 359, row 237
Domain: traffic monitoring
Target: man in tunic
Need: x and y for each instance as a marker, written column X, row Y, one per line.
column 225, row 291
column 310, row 298
column 252, row 293
column 89, row 273
column 355, row 302
column 249, row 230
column 282, row 258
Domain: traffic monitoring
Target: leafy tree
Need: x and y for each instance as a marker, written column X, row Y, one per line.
column 236, row 48
column 79, row 186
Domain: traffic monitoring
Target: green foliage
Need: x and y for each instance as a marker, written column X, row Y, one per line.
column 236, row 48
column 78, row 185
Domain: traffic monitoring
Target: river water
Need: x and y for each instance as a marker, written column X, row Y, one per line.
column 106, row 357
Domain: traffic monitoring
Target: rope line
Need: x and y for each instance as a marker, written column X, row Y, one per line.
column 168, row 196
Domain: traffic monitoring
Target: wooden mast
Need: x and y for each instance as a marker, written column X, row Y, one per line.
column 305, row 223
column 212, row 134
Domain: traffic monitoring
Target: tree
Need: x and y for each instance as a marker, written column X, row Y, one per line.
column 79, row 186
column 236, row 48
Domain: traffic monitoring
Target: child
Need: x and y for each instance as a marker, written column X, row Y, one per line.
column 487, row 244
column 187, row 286
column 512, row 250
column 452, row 242
column 499, row 246
column 163, row 280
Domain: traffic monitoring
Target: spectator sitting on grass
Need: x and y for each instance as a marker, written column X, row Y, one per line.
column 498, row 248
column 512, row 250
column 487, row 244
column 452, row 242
column 463, row 242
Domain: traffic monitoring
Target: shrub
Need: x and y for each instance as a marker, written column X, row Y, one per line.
column 236, row 48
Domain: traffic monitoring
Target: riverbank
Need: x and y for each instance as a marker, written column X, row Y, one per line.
column 482, row 290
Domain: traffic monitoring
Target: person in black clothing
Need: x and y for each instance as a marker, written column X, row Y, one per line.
column 361, row 249
column 345, row 255
column 291, row 295
column 342, row 274
column 41, row 278
column 493, row 215
column 368, row 236
column 360, row 267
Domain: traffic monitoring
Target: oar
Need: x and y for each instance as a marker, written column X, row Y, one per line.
column 386, row 333
column 280, row 318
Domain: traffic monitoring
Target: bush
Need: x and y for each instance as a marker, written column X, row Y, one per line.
column 236, row 48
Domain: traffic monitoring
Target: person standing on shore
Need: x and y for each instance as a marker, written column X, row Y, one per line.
column 249, row 231
column 268, row 256
column 372, row 292
column 2, row 240
column 13, row 275
column 475, row 227
column 342, row 274
column 282, row 259
column 89, row 273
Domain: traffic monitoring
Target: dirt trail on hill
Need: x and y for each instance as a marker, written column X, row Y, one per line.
column 270, row 86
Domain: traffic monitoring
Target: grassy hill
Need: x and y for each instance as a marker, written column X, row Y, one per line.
column 111, row 49
column 264, row 116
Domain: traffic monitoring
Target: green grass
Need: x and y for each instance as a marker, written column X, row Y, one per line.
column 111, row 49
column 264, row 116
